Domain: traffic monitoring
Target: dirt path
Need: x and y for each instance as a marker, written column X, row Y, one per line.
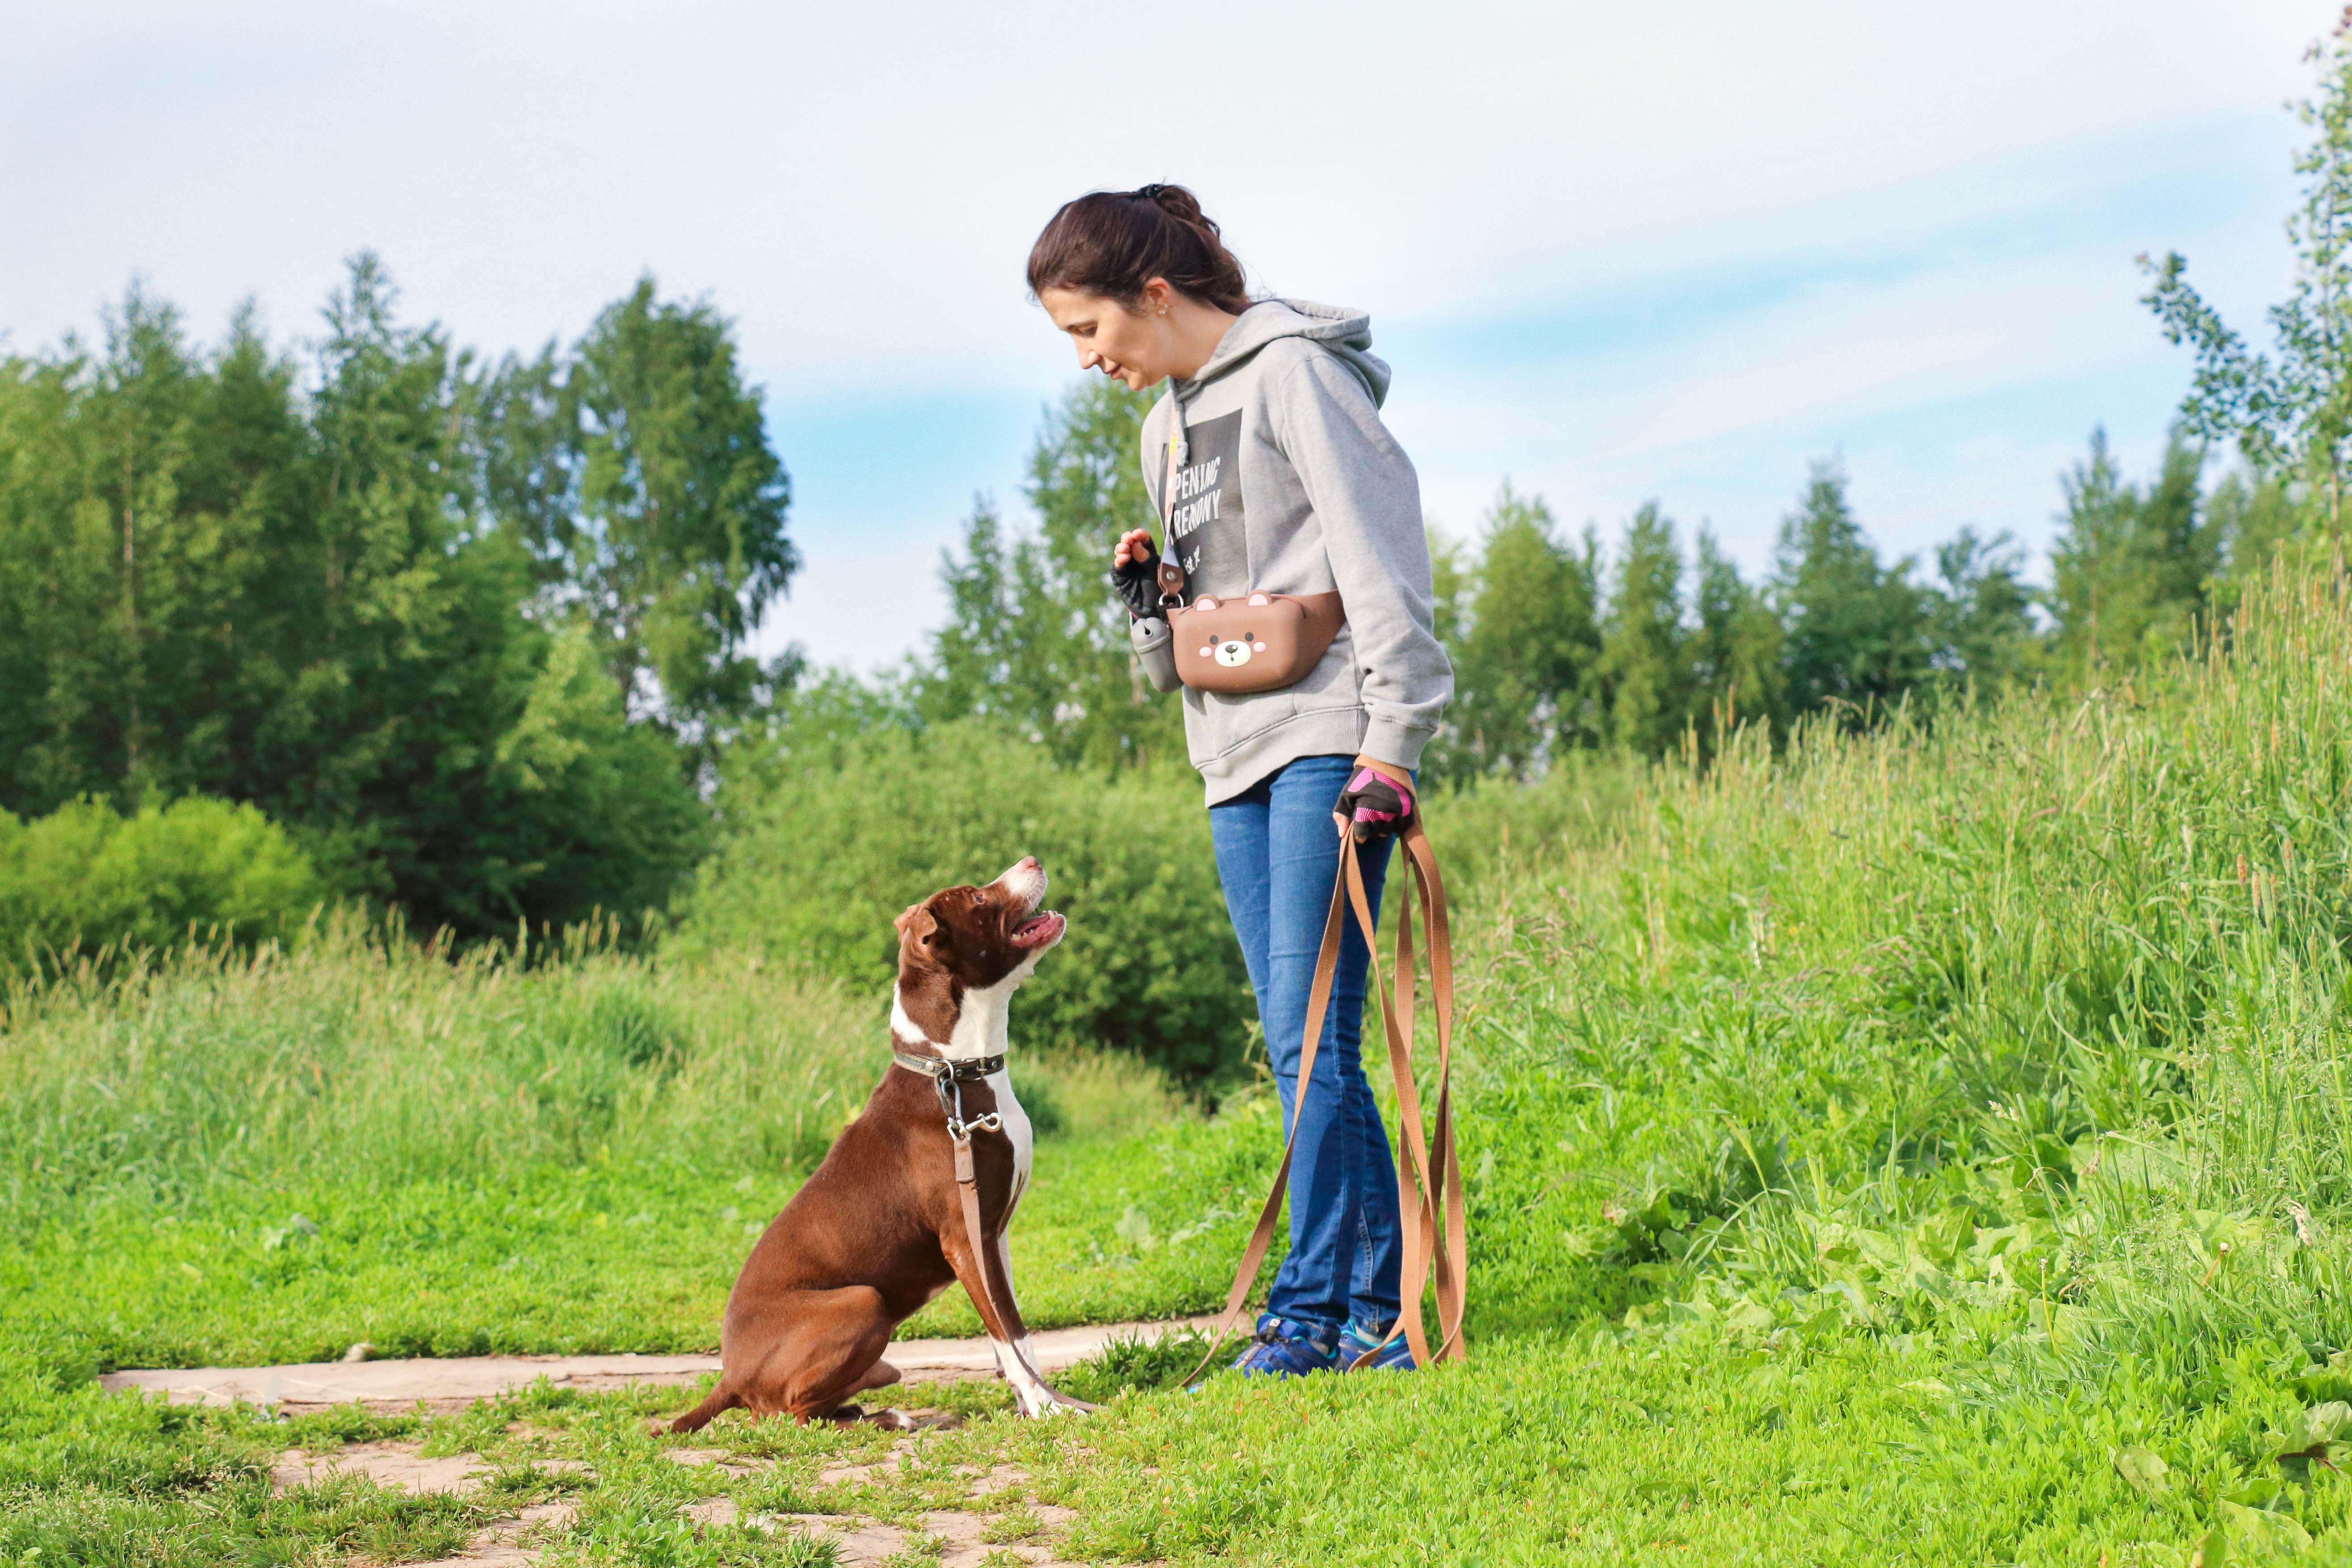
column 996, row 1523
column 460, row 1381
column 900, row 1507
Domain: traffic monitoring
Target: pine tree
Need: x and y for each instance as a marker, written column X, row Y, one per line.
column 2254, row 520
column 1643, row 679
column 1981, row 615
column 1856, row 631
column 1034, row 635
column 1523, row 662
column 1735, row 651
column 2130, row 572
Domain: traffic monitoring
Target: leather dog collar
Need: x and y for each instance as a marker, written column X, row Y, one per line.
column 940, row 1069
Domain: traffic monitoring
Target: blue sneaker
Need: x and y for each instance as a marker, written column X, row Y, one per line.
column 1287, row 1347
column 1395, row 1356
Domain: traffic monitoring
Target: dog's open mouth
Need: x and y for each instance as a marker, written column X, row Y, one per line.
column 1037, row 930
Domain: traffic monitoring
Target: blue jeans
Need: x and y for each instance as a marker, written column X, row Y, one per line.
column 1278, row 855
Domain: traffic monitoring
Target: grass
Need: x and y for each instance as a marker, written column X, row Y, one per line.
column 1923, row 1147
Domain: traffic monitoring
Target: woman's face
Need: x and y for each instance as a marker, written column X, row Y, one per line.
column 1133, row 345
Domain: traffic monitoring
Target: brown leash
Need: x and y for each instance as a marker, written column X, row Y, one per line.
column 948, row 1077
column 1429, row 1210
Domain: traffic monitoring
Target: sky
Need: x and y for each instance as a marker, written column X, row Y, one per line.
column 1615, row 254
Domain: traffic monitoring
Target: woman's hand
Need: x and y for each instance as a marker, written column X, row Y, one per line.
column 1133, row 574
column 1377, row 799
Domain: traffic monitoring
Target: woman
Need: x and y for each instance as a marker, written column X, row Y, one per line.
column 1287, row 483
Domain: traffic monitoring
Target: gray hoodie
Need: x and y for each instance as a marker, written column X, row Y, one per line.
column 1290, row 484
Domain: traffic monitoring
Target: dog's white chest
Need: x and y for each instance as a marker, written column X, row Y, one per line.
column 1016, row 1128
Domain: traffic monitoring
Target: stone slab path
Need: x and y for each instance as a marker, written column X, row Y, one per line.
column 453, row 1382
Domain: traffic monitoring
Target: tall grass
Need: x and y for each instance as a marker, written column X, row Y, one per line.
column 358, row 1055
column 2039, row 1013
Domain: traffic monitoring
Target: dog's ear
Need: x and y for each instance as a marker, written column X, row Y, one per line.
column 916, row 923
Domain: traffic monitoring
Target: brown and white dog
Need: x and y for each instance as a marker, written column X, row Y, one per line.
column 879, row 1229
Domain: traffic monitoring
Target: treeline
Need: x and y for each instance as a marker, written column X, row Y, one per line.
column 472, row 631
column 1562, row 644
column 1559, row 645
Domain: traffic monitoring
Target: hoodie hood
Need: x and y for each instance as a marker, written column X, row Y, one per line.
column 1347, row 333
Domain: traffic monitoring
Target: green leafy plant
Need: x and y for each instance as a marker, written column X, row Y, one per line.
column 85, row 879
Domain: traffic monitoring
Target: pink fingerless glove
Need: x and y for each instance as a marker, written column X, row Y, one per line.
column 1374, row 804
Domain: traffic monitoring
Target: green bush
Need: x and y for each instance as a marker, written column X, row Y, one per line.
column 817, row 856
column 85, row 877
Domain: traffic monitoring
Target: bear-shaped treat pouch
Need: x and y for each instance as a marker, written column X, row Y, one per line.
column 1261, row 643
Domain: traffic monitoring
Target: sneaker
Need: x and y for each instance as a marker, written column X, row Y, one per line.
column 1285, row 1348
column 1395, row 1356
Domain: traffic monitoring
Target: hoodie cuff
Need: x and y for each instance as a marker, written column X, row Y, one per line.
column 1387, row 741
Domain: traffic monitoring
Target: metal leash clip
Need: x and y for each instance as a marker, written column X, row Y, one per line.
column 961, row 1131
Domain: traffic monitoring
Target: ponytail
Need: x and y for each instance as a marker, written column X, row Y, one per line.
column 1112, row 243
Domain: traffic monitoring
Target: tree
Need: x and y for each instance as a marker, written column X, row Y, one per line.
column 1735, row 651
column 2289, row 411
column 1034, row 635
column 2253, row 519
column 2131, row 570
column 639, row 471
column 217, row 579
column 1982, row 616
column 142, row 481
column 1528, row 642
column 1856, row 631
column 1642, row 678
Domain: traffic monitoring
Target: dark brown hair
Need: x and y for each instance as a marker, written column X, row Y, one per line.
column 1112, row 243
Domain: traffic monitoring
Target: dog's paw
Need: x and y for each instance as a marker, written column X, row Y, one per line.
column 1052, row 1404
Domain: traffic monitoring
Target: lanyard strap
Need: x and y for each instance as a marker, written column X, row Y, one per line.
column 1171, row 571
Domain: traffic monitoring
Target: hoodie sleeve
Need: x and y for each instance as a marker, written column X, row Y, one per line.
column 1367, row 498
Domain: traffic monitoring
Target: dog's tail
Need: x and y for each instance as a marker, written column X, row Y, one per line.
column 723, row 1399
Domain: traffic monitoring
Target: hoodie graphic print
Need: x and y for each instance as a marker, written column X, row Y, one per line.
column 1208, row 519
